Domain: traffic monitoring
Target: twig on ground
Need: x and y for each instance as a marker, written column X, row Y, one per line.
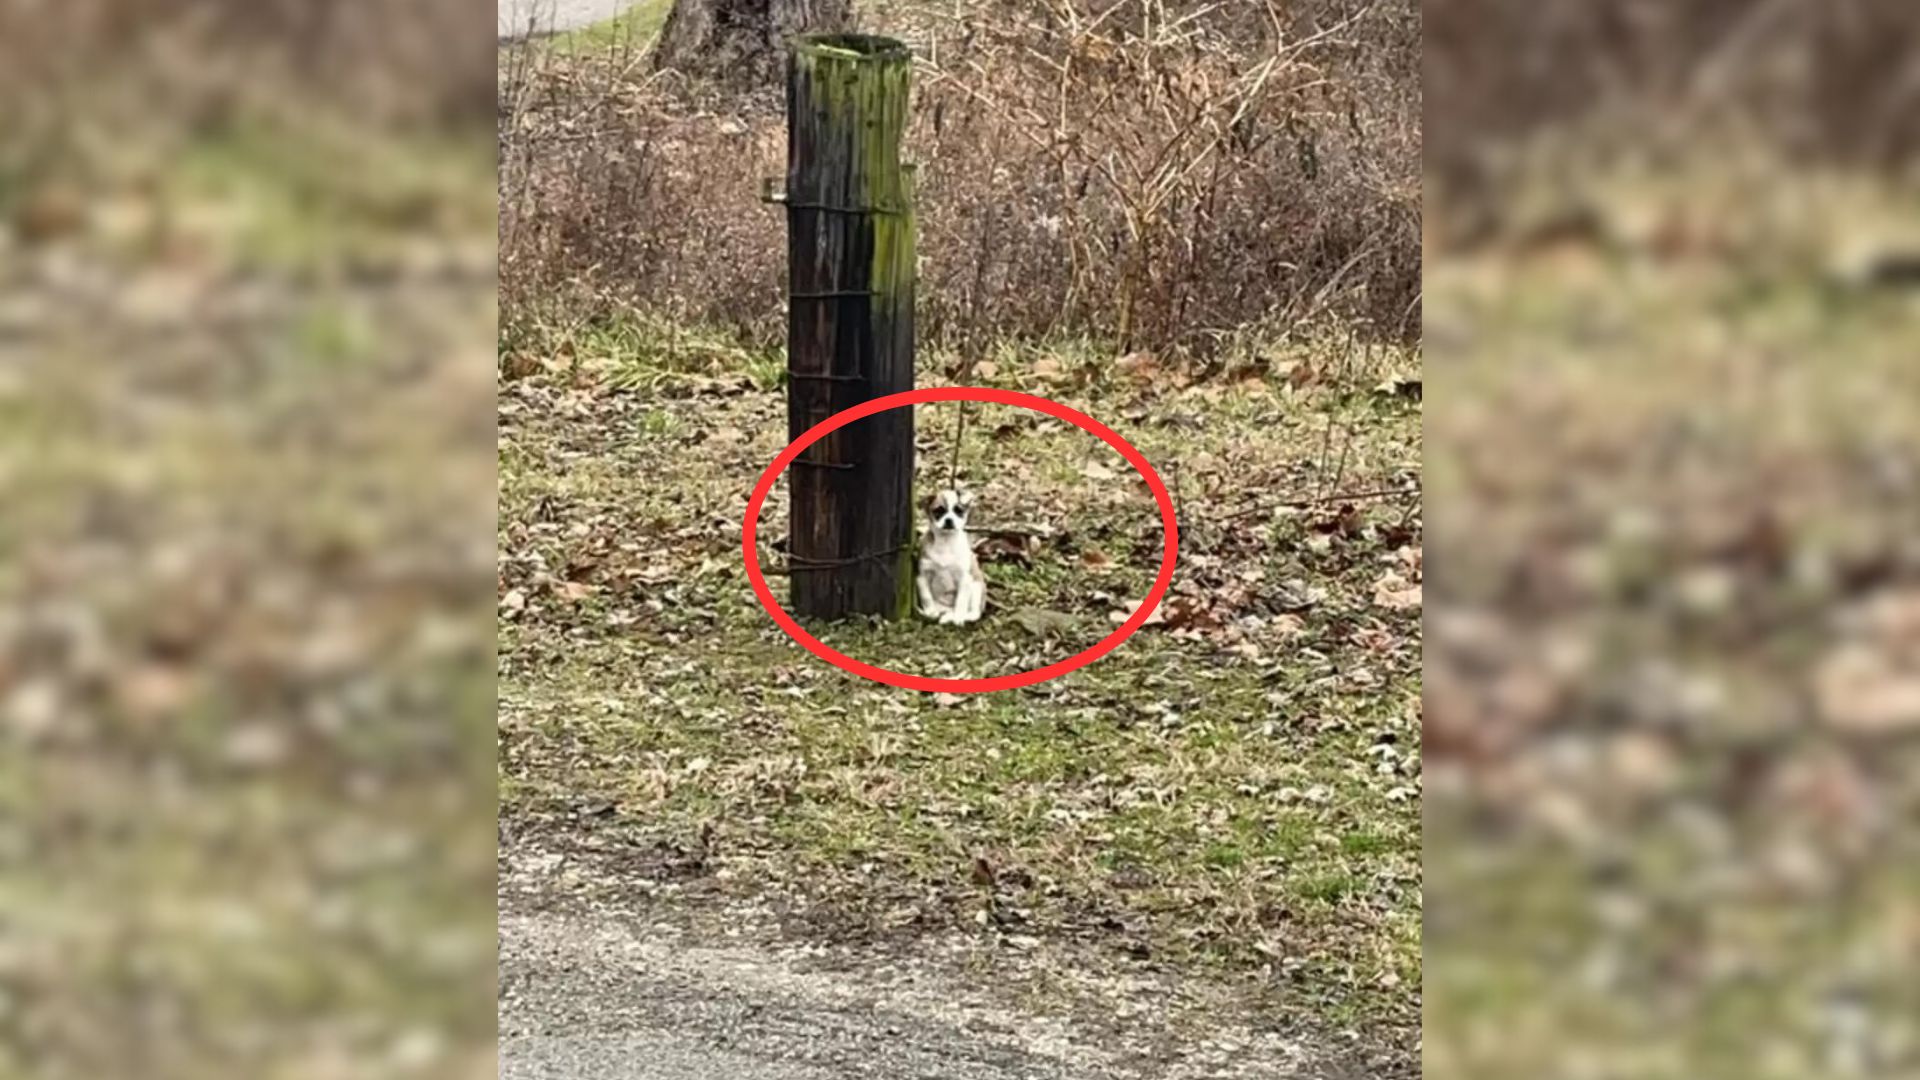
column 1012, row 533
column 1318, row 500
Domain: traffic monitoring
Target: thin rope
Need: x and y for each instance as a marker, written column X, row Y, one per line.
column 959, row 433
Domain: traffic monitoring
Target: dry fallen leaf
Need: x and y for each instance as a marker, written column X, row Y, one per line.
column 1139, row 365
column 1093, row 470
column 662, row 573
column 1374, row 639
column 1394, row 593
column 1187, row 613
column 1346, row 520
column 1289, row 625
column 1411, row 558
column 1865, row 691
column 1006, row 549
column 49, row 214
column 1041, row 623
column 154, row 690
column 982, row 871
column 1298, row 373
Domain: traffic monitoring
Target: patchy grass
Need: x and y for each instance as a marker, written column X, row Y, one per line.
column 320, row 197
column 642, row 353
column 1673, row 769
column 240, row 699
column 1235, row 789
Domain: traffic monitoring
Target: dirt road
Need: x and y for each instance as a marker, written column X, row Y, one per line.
column 580, row 1000
column 599, row 990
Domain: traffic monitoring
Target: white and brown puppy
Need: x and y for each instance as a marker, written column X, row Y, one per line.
column 951, row 586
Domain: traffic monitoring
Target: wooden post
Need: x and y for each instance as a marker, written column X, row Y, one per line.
column 850, row 256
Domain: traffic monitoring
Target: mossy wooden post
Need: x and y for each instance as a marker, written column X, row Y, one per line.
column 850, row 256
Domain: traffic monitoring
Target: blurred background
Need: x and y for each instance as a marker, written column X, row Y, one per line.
column 246, row 306
column 1672, row 700
column 1672, row 297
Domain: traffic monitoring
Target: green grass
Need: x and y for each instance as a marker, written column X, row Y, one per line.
column 1194, row 795
column 323, row 196
column 641, row 353
column 1619, row 424
column 633, row 31
column 286, row 881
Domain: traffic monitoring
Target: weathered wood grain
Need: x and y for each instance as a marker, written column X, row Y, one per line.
column 850, row 324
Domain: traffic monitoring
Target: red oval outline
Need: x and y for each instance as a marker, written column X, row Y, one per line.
column 750, row 528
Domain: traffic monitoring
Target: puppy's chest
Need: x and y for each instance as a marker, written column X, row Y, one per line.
column 944, row 564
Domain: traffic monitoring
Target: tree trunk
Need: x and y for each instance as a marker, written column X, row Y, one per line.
column 742, row 43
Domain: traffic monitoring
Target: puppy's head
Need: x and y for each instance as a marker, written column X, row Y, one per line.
column 948, row 509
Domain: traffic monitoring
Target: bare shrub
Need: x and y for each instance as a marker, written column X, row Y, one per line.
column 421, row 61
column 1193, row 175
column 618, row 190
column 1143, row 174
column 1837, row 81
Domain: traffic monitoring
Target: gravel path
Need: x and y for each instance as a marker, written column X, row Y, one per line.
column 592, row 991
column 585, row 1001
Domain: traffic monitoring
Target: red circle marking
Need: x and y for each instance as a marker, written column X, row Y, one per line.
column 750, row 528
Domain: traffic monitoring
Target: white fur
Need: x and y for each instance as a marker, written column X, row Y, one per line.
column 952, row 589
